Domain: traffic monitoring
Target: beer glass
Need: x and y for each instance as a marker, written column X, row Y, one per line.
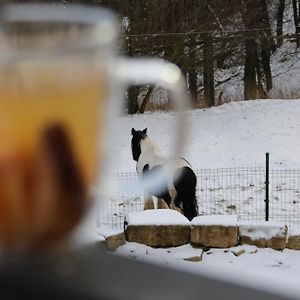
column 62, row 88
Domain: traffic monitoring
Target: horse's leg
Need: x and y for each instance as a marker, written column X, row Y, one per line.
column 173, row 194
column 148, row 201
column 161, row 204
column 186, row 192
column 167, row 198
column 177, row 204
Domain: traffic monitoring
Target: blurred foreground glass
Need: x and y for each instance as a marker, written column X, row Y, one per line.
column 61, row 89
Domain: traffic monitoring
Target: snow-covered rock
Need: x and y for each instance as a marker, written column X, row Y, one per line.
column 224, row 220
column 157, row 217
column 263, row 234
column 158, row 228
column 293, row 238
column 217, row 231
column 115, row 241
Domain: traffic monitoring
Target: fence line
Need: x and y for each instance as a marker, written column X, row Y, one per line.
column 238, row 191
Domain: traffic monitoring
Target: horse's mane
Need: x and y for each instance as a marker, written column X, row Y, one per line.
column 148, row 145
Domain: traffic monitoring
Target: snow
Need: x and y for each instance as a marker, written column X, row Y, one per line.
column 264, row 269
column 215, row 220
column 237, row 134
column 262, row 230
column 106, row 231
column 85, row 235
column 294, row 231
column 87, row 232
column 231, row 135
column 157, row 217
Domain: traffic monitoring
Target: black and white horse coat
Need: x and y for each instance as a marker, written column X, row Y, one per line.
column 150, row 159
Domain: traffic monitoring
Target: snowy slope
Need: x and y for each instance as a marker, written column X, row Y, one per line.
column 232, row 135
column 235, row 134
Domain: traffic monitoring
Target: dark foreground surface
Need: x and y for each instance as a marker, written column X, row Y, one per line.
column 91, row 273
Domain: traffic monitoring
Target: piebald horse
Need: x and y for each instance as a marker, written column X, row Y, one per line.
column 150, row 159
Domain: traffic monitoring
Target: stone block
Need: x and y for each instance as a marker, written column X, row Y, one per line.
column 263, row 234
column 158, row 228
column 115, row 241
column 293, row 241
column 158, row 235
column 217, row 231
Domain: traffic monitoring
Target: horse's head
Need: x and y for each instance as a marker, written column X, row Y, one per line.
column 137, row 136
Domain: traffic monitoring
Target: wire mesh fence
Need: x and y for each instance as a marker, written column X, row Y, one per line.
column 285, row 196
column 226, row 191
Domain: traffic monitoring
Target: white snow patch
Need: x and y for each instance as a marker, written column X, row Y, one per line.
column 261, row 229
column 294, row 231
column 83, row 236
column 223, row 220
column 107, row 231
column 231, row 135
column 157, row 217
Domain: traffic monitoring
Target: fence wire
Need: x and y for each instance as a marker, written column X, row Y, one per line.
column 285, row 196
column 226, row 191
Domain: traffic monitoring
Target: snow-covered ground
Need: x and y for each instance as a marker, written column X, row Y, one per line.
column 231, row 135
column 237, row 134
column 284, row 263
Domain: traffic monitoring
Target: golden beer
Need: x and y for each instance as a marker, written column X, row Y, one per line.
column 50, row 114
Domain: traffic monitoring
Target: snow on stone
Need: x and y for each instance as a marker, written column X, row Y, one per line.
column 107, row 231
column 261, row 229
column 229, row 220
column 294, row 231
column 157, row 217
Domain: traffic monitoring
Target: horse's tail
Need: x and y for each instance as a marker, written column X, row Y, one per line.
column 185, row 187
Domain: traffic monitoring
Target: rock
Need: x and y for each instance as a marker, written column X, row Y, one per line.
column 214, row 236
column 294, row 238
column 158, row 235
column 293, row 242
column 115, row 241
column 158, row 228
column 239, row 252
column 217, row 231
column 263, row 234
column 194, row 258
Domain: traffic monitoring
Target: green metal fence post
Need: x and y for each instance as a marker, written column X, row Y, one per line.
column 267, row 183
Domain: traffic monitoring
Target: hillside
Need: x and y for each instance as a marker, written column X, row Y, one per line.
column 232, row 135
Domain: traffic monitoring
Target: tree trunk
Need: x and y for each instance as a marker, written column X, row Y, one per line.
column 251, row 62
column 266, row 65
column 208, row 74
column 192, row 72
column 132, row 96
column 296, row 21
column 192, row 78
column 146, row 100
column 279, row 16
column 133, row 91
column 267, row 45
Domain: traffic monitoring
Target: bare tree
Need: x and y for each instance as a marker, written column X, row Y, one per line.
column 279, row 25
column 296, row 21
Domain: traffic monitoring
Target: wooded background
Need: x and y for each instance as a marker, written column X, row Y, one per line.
column 204, row 37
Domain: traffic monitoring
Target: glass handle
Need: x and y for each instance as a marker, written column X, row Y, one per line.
column 163, row 74
column 142, row 71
